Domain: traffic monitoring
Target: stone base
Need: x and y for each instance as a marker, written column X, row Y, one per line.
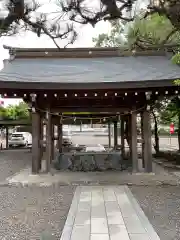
column 90, row 161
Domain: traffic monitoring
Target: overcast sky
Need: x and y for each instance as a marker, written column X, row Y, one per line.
column 30, row 40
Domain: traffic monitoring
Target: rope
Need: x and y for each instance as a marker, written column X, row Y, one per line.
column 103, row 119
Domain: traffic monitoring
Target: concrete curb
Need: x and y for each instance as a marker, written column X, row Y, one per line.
column 144, row 220
column 76, row 184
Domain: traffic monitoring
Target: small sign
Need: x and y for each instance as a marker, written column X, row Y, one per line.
column 171, row 128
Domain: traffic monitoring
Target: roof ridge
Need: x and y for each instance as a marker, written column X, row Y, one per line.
column 83, row 52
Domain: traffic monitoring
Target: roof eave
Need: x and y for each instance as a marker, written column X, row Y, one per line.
column 86, row 85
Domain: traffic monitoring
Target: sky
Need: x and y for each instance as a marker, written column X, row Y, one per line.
column 30, row 40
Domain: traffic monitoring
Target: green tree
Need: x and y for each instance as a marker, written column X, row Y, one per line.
column 154, row 30
column 3, row 113
column 157, row 110
column 17, row 15
column 143, row 33
column 114, row 39
column 176, row 60
column 15, row 112
column 18, row 112
column 171, row 114
column 154, row 111
column 158, row 30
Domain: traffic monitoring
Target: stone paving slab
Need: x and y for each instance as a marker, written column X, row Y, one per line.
column 106, row 213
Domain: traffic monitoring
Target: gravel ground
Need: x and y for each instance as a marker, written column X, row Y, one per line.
column 13, row 161
column 30, row 213
column 33, row 213
column 162, row 206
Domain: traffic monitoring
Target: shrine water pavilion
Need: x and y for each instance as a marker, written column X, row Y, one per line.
column 105, row 83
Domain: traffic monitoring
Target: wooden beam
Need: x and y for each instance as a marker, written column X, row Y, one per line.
column 104, row 109
column 15, row 122
column 85, row 116
column 93, row 102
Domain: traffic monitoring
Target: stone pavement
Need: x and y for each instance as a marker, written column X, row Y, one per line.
column 106, row 213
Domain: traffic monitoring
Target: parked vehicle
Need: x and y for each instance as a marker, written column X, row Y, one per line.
column 20, row 139
column 66, row 138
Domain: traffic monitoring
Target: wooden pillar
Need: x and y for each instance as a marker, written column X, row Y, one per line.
column 134, row 152
column 60, row 137
column 128, row 132
column 109, row 134
column 36, row 153
column 91, row 123
column 147, row 151
column 41, row 141
column 52, row 142
column 115, row 135
column 122, row 137
column 80, row 126
column 142, row 138
column 7, row 137
column 48, row 141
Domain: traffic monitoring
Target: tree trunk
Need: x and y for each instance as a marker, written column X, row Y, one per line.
column 156, row 135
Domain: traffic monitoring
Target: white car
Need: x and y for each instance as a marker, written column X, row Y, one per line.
column 20, row 139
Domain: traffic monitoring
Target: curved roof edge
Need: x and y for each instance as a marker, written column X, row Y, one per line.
column 107, row 49
column 81, row 52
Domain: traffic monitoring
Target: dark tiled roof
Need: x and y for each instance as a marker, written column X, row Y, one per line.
column 90, row 70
